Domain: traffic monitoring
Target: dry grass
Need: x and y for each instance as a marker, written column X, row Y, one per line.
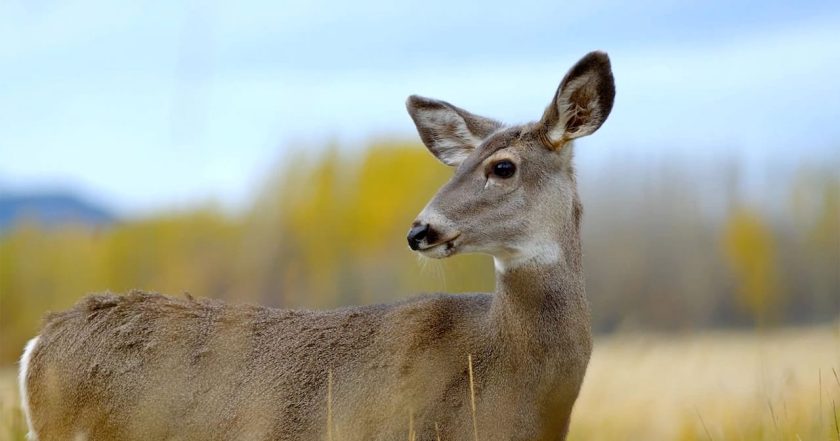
column 779, row 385
column 12, row 425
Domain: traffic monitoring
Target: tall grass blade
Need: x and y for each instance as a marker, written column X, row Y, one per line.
column 472, row 398
column 329, row 406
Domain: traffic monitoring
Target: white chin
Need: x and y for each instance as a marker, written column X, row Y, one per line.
column 438, row 252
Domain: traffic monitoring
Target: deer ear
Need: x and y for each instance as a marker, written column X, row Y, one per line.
column 449, row 132
column 582, row 102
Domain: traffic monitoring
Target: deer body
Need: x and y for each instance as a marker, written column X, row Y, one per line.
column 145, row 366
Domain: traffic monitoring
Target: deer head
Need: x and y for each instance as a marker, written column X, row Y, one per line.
column 514, row 186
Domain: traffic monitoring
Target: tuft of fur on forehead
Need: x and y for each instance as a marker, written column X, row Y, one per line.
column 501, row 139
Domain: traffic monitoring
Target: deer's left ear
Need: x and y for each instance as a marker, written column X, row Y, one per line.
column 582, row 102
column 449, row 132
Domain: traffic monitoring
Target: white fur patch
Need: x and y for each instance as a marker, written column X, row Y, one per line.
column 23, row 372
column 535, row 253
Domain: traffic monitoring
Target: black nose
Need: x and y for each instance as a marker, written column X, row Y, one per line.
column 417, row 234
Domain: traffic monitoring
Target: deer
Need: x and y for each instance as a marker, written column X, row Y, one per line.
column 506, row 365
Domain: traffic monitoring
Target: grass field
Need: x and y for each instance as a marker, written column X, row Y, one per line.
column 778, row 385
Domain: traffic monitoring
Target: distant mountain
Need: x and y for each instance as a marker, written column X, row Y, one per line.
column 51, row 209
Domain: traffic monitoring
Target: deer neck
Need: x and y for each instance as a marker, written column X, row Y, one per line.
column 541, row 299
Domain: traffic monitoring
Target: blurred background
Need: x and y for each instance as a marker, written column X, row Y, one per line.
column 261, row 152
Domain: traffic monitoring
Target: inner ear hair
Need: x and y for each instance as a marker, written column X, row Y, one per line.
column 582, row 102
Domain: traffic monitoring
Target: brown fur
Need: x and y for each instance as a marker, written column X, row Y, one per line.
column 145, row 366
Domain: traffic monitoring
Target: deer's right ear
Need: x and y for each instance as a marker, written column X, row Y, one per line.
column 449, row 132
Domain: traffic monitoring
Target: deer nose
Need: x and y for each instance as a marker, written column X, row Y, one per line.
column 416, row 235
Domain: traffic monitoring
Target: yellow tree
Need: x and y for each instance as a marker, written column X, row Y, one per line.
column 750, row 250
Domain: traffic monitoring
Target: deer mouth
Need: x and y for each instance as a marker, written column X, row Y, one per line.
column 441, row 249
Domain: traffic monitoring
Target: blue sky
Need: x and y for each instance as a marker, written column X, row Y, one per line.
column 156, row 105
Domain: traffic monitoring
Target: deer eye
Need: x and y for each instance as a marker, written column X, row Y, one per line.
column 504, row 169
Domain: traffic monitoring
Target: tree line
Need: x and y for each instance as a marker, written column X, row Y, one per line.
column 660, row 250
